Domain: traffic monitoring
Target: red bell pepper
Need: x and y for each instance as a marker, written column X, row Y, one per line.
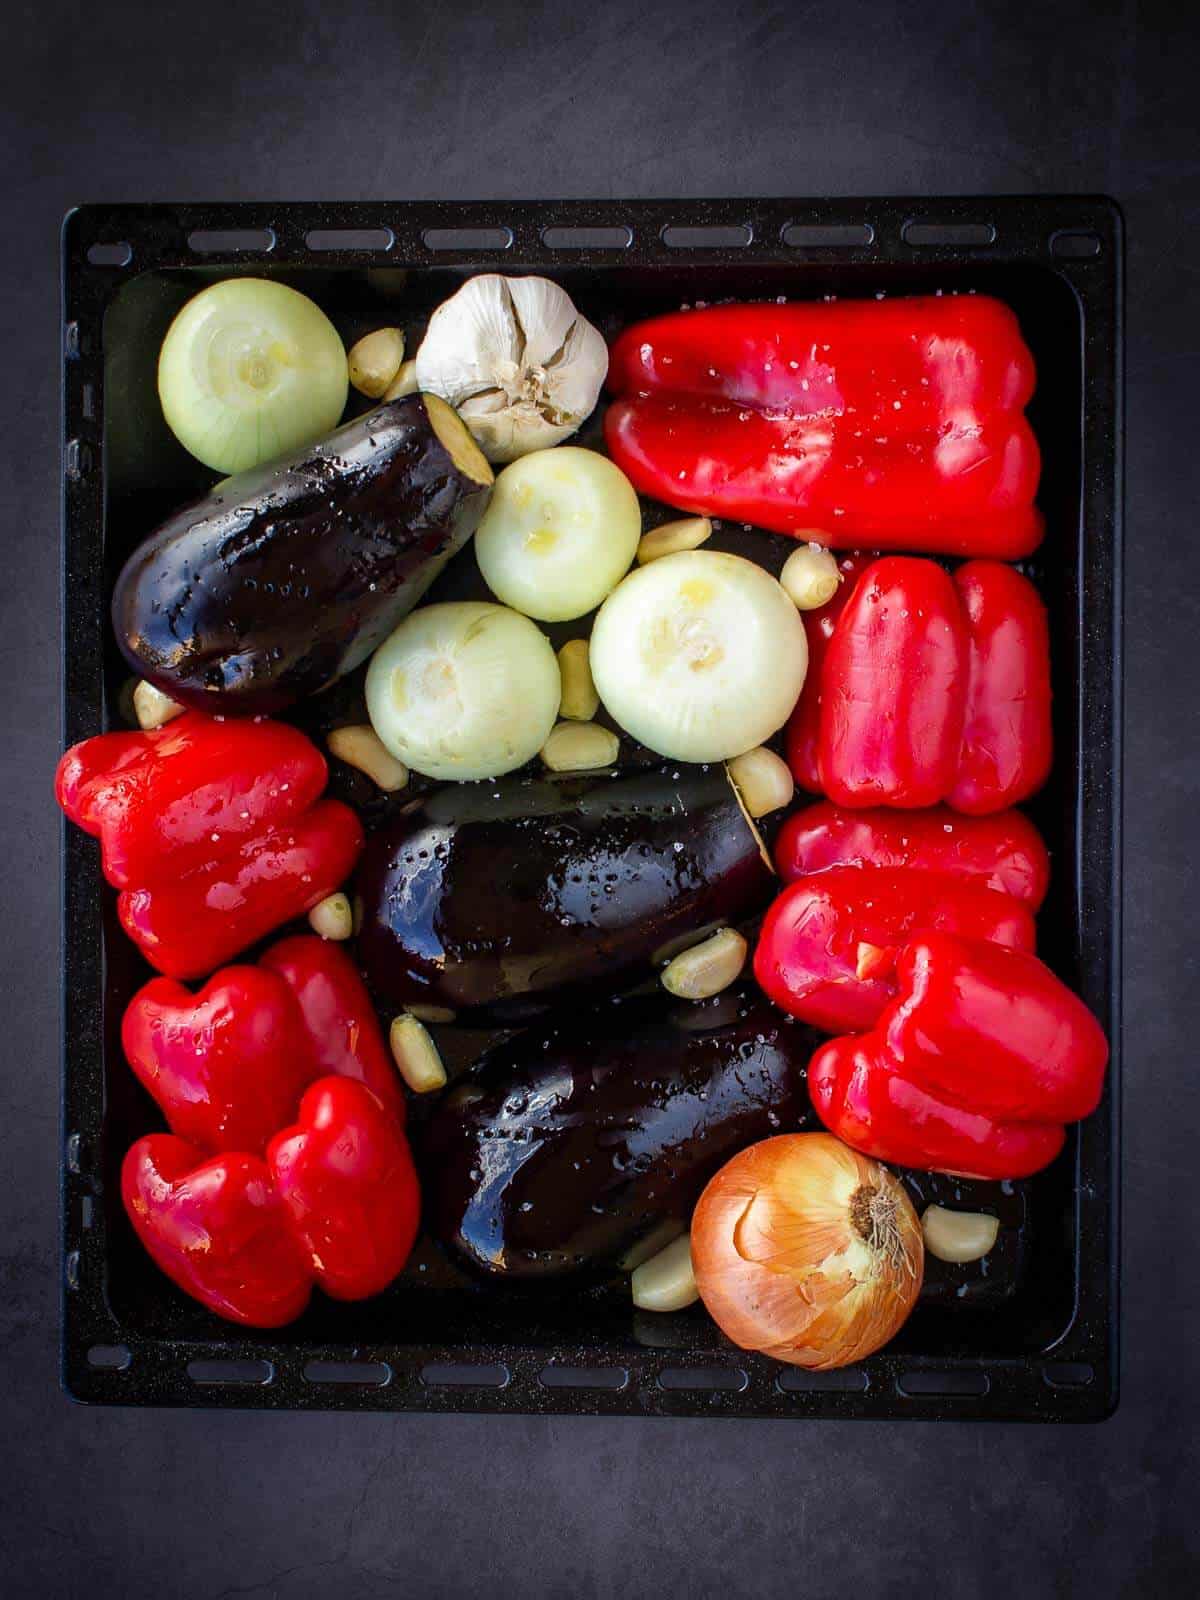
column 896, row 423
column 929, row 689
column 233, row 1070
column 210, row 831
column 218, row 1228
column 343, row 1031
column 1004, row 851
column 346, row 1177
column 804, row 725
column 228, row 1066
column 335, row 1203
column 159, row 796
column 871, row 1104
column 1006, row 745
column 828, row 946
column 971, row 1070
column 893, row 688
column 996, row 1028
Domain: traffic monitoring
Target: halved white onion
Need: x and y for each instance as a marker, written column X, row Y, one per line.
column 464, row 690
column 560, row 531
column 249, row 370
column 699, row 655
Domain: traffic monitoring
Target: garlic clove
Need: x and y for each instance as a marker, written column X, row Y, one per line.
column 958, row 1236
column 332, row 918
column 545, row 315
column 666, row 1282
column 763, row 779
column 706, row 969
column 152, row 708
column 417, row 1058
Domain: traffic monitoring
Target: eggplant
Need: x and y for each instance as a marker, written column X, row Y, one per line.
column 584, row 1149
column 498, row 901
column 287, row 577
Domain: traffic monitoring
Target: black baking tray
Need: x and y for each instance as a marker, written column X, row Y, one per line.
column 1033, row 1334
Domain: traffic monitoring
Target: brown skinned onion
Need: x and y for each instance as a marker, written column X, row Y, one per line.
column 807, row 1251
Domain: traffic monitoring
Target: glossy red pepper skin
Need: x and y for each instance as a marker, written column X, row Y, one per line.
column 227, row 1066
column 285, row 1058
column 218, row 1229
column 972, row 1069
column 187, row 927
column 810, row 951
column 156, row 798
column 928, row 689
column 994, row 1029
column 1007, row 743
column 893, row 688
column 343, row 1031
column 335, row 1203
column 212, row 831
column 346, row 1177
column 896, row 423
column 1003, row 851
column 804, row 724
column 874, row 1106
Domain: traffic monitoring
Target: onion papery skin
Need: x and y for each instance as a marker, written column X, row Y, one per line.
column 781, row 1266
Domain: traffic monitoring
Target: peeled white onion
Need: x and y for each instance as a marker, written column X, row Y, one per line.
column 464, row 690
column 560, row 531
column 249, row 370
column 700, row 655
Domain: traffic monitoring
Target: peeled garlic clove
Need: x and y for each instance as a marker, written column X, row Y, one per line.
column 666, row 1282
column 516, row 360
column 416, row 1056
column 375, row 360
column 810, row 576
column 686, row 533
column 706, row 969
column 580, row 747
column 152, row 708
column 958, row 1235
column 362, row 748
column 763, row 780
column 580, row 702
column 332, row 918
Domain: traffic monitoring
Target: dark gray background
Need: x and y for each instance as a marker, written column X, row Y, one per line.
column 632, row 98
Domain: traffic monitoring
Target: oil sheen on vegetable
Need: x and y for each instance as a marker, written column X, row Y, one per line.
column 585, row 1147
column 287, row 577
column 499, row 900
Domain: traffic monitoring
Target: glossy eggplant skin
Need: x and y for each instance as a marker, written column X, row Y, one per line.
column 285, row 578
column 581, row 1149
column 499, row 901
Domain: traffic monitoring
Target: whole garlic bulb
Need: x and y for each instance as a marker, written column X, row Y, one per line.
column 517, row 362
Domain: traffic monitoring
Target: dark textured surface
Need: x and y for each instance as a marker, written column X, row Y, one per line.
column 392, row 101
